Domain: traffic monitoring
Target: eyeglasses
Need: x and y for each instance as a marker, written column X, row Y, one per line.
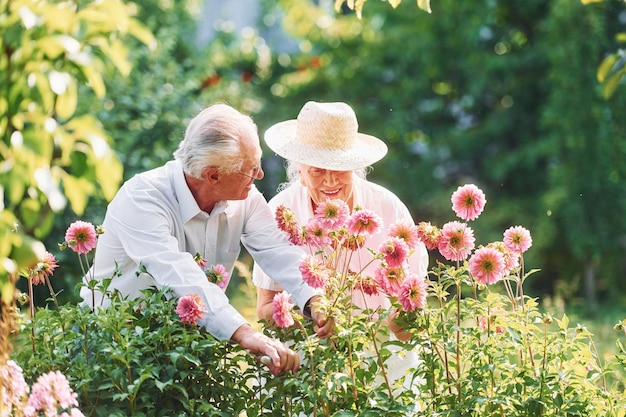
column 256, row 173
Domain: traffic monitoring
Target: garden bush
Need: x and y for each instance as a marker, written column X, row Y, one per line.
column 485, row 347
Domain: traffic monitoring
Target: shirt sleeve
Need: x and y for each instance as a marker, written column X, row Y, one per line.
column 145, row 227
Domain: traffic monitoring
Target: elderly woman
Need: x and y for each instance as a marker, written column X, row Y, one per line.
column 327, row 158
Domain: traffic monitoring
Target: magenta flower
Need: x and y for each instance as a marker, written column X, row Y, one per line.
column 332, row 214
column 406, row 231
column 487, row 265
column 14, row 389
column 517, row 239
column 288, row 223
column 486, row 322
column 44, row 268
column 313, row 273
column 457, row 241
column 190, row 309
column 51, row 392
column 413, row 292
column 363, row 222
column 218, row 275
column 395, row 251
column 468, row 201
column 281, row 310
column 429, row 234
column 390, row 279
column 81, row 237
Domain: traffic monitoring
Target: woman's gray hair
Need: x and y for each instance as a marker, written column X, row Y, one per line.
column 293, row 176
column 212, row 140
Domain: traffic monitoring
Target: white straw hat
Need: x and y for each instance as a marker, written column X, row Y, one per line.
column 325, row 135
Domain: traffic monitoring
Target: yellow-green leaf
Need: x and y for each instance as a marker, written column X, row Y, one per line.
column 142, row 33
column 66, row 102
column 605, row 67
column 611, row 84
column 424, row 5
column 94, row 80
column 77, row 191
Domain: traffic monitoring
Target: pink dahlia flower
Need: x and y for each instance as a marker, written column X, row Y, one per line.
column 332, row 214
column 313, row 273
column 363, row 222
column 44, row 268
column 288, row 223
column 413, row 293
column 217, row 274
column 281, row 310
column 429, row 234
column 81, row 237
column 487, row 265
column 316, row 234
column 190, row 309
column 511, row 259
column 389, row 280
column 468, row 201
column 517, row 239
column 368, row 285
column 395, row 251
column 406, row 231
column 457, row 241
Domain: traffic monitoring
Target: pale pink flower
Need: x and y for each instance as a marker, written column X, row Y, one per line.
column 51, row 392
column 390, row 279
column 511, row 259
column 313, row 273
column 81, row 237
column 316, row 234
column 281, row 310
column 429, row 234
column 190, row 309
column 468, row 201
column 517, row 239
column 217, row 274
column 364, row 222
column 413, row 292
column 288, row 223
column 457, row 241
column 406, row 231
column 44, row 268
column 395, row 251
column 332, row 214
column 14, row 388
column 487, row 265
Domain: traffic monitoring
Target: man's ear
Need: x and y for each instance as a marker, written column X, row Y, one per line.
column 211, row 174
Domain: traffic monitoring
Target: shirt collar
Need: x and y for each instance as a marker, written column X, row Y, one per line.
column 188, row 205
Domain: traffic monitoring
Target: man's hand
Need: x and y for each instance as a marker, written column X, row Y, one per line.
column 325, row 325
column 282, row 358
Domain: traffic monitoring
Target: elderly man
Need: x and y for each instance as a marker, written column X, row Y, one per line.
column 203, row 202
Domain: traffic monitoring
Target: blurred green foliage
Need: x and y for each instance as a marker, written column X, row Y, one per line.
column 497, row 93
column 52, row 154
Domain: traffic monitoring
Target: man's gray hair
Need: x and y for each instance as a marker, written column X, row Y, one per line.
column 212, row 139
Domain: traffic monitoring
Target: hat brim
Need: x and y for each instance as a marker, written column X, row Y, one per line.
column 365, row 150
